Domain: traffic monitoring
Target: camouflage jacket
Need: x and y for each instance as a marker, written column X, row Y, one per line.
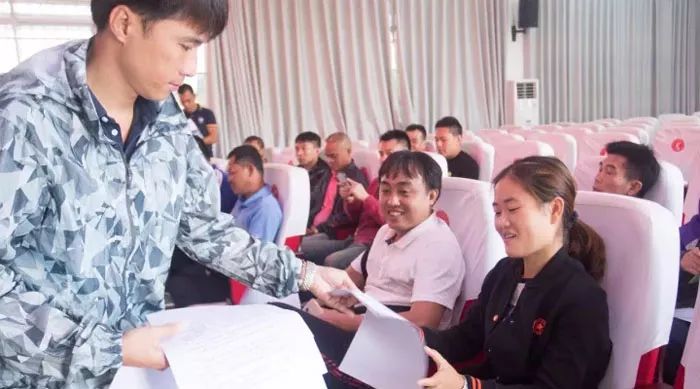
column 86, row 235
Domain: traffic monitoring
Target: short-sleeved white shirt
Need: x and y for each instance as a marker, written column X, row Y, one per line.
column 426, row 264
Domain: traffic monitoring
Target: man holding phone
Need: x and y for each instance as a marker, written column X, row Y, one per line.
column 361, row 205
column 331, row 221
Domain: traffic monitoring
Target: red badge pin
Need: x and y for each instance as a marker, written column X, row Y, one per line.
column 603, row 151
column 538, row 326
column 678, row 145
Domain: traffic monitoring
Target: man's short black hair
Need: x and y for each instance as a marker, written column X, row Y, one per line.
column 397, row 135
column 308, row 136
column 185, row 88
column 452, row 123
column 417, row 127
column 413, row 164
column 208, row 16
column 641, row 163
column 255, row 139
column 247, row 154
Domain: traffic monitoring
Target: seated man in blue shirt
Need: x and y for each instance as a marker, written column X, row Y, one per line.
column 257, row 210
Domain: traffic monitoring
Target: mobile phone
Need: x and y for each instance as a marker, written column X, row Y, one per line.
column 342, row 177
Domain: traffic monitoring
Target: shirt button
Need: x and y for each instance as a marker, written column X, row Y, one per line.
column 115, row 132
column 104, row 119
column 489, row 350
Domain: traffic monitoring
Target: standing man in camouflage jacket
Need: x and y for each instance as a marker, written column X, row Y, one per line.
column 100, row 180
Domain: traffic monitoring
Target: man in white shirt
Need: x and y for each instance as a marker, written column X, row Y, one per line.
column 415, row 264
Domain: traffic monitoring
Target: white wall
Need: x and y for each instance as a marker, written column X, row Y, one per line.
column 514, row 56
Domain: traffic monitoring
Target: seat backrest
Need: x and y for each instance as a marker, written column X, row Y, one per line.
column 494, row 137
column 511, row 127
column 595, row 127
column 586, row 170
column 286, row 156
column 668, row 190
column 690, row 208
column 564, row 146
column 641, row 277
column 508, row 152
column 667, row 117
column 368, row 161
column 594, row 144
column 484, row 154
column 640, row 133
column 610, row 122
column 360, row 145
column 291, row 187
column 441, row 161
column 680, row 146
column 547, row 127
column 468, row 205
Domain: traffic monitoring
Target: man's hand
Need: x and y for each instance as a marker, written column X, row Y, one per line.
column 311, row 231
column 344, row 190
column 691, row 261
column 141, row 346
column 357, row 191
column 328, row 279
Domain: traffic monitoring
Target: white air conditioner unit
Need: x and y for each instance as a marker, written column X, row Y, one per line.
column 522, row 102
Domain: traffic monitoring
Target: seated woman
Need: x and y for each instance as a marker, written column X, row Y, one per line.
column 541, row 320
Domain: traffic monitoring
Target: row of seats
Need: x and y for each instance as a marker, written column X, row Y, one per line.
column 640, row 316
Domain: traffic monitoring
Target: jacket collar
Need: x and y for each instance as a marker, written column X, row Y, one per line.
column 551, row 271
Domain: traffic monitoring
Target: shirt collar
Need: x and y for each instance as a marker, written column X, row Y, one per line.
column 414, row 233
column 255, row 197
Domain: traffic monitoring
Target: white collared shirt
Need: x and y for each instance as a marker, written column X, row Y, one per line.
column 426, row 264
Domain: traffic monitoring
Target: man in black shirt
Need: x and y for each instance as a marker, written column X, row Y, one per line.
column 307, row 147
column 448, row 139
column 202, row 117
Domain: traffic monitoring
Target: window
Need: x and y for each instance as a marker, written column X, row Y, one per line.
column 29, row 26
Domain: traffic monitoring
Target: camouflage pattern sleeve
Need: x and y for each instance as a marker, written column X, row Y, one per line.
column 211, row 238
column 40, row 344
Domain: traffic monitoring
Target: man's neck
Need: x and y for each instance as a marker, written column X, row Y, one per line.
column 107, row 82
column 253, row 190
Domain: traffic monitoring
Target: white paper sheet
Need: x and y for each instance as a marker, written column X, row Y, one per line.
column 685, row 314
column 253, row 346
column 387, row 351
column 135, row 378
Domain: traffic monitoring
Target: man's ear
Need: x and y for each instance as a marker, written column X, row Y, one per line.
column 123, row 22
column 635, row 188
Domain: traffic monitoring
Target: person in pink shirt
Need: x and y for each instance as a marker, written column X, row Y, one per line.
column 361, row 206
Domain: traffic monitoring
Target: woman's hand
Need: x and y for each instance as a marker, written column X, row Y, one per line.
column 446, row 376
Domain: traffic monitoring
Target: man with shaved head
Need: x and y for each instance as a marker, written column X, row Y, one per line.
column 331, row 218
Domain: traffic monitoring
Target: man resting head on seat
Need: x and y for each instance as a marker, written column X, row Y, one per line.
column 258, row 143
column 257, row 210
column 417, row 134
column 629, row 169
column 415, row 265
